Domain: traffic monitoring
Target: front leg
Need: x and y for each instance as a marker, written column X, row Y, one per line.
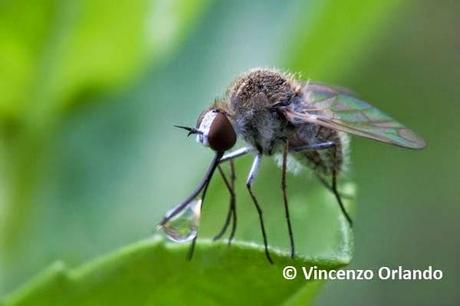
column 231, row 214
column 235, row 154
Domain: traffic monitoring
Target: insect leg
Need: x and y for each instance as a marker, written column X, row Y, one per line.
column 235, row 154
column 336, row 192
column 249, row 181
column 191, row 249
column 233, row 179
column 329, row 187
column 313, row 147
column 204, row 186
column 339, row 199
column 323, row 146
column 230, row 212
column 193, row 243
column 232, row 207
column 207, row 180
column 285, row 199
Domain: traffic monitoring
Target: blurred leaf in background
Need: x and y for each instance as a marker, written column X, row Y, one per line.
column 410, row 203
column 55, row 54
column 339, row 37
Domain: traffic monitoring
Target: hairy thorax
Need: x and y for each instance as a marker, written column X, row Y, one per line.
column 251, row 98
column 249, row 102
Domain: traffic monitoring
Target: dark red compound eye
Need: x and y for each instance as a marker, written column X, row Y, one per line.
column 221, row 136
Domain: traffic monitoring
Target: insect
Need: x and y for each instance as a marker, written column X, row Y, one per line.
column 274, row 113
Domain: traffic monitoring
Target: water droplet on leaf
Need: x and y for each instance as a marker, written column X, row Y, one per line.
column 183, row 227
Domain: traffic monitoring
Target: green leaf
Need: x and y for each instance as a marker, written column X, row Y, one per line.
column 156, row 273
column 63, row 52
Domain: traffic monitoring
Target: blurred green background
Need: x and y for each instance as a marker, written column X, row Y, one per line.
column 89, row 91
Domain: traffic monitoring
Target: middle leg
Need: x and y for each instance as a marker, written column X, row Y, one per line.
column 249, row 181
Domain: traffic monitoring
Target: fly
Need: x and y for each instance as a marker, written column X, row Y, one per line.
column 274, row 113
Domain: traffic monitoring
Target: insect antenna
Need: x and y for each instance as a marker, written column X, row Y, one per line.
column 189, row 129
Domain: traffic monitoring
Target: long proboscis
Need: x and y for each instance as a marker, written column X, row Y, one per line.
column 203, row 185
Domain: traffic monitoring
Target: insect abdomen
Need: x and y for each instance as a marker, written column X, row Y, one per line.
column 326, row 161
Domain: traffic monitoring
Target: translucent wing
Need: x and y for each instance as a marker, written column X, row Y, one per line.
column 338, row 109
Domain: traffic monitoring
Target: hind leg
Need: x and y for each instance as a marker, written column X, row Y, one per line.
column 328, row 145
column 285, row 199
